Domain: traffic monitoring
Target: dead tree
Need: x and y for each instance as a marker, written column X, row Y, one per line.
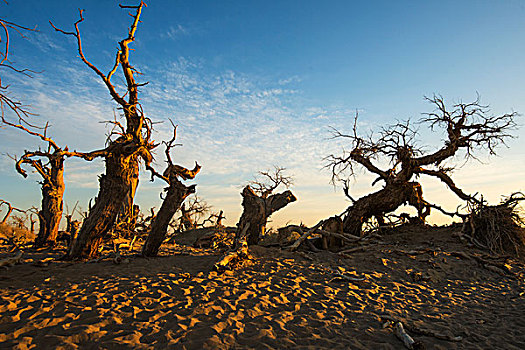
column 52, row 173
column 127, row 143
column 468, row 128
column 220, row 217
column 9, row 211
column 176, row 192
column 192, row 212
column 49, row 164
column 215, row 219
column 258, row 203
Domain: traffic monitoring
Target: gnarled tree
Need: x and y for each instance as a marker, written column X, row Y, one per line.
column 176, row 192
column 259, row 203
column 49, row 164
column 468, row 128
column 132, row 142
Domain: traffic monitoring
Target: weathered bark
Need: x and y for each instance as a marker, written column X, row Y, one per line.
column 175, row 195
column 334, row 225
column 257, row 210
column 127, row 216
column 52, row 202
column 71, row 232
column 240, row 253
column 114, row 187
column 176, row 192
column 386, row 200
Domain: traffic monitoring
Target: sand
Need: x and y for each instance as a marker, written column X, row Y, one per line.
column 279, row 300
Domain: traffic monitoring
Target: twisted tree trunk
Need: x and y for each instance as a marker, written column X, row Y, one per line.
column 175, row 195
column 114, row 187
column 257, row 210
column 386, row 200
column 52, row 203
column 127, row 216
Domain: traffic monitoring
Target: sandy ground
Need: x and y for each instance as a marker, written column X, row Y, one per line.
column 279, row 300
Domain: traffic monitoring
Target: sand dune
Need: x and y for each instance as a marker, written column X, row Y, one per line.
column 280, row 300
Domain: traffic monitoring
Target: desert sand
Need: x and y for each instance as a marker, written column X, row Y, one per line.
column 278, row 300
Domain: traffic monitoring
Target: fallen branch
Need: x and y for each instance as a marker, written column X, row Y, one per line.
column 340, row 276
column 346, row 237
column 474, row 241
column 422, row 331
column 407, row 340
column 301, row 239
column 312, row 247
column 353, row 250
column 13, row 260
column 99, row 259
column 494, row 266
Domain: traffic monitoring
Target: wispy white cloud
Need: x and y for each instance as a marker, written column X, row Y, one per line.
column 175, row 32
column 290, row 80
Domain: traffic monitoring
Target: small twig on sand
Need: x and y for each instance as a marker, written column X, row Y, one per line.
column 340, row 276
column 407, row 340
column 99, row 259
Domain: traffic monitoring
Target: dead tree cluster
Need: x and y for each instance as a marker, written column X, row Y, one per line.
column 468, row 128
column 393, row 155
column 129, row 142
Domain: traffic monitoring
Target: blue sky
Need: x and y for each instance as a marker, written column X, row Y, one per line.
column 257, row 83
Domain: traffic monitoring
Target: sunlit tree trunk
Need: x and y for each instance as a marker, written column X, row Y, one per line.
column 257, row 210
column 52, row 203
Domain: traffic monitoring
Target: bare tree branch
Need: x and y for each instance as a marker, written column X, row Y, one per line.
column 270, row 180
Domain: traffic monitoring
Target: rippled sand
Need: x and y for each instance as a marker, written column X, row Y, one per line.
column 280, row 300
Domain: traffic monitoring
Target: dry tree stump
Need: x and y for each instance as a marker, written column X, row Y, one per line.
column 256, row 211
